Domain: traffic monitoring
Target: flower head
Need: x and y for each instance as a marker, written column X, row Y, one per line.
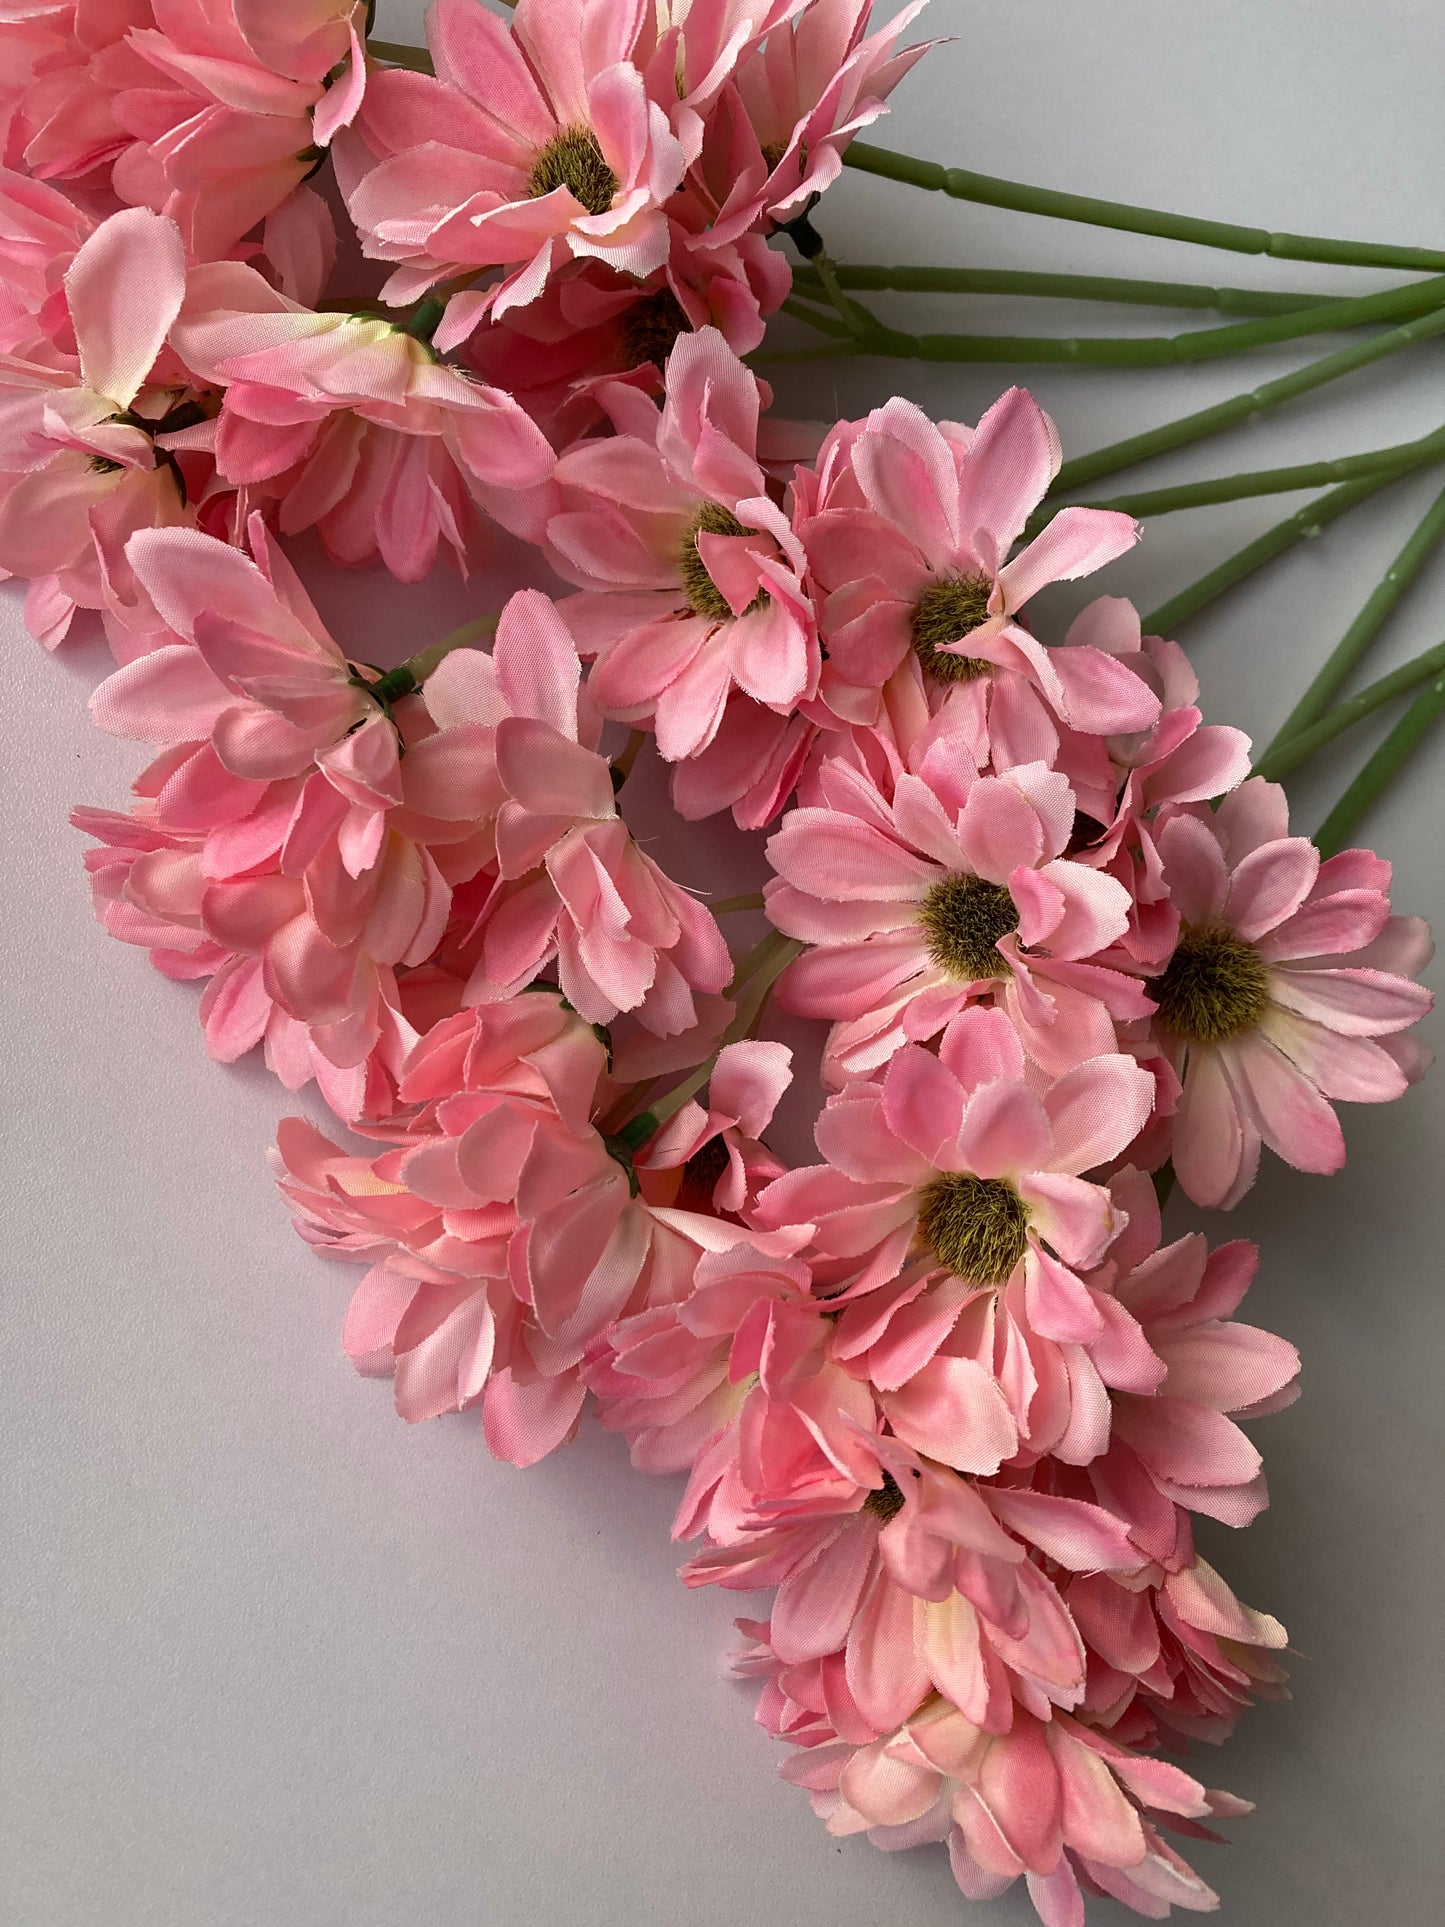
column 85, row 455
column 572, row 884
column 505, row 1231
column 212, row 112
column 908, row 528
column 1287, row 991
column 776, row 135
column 535, row 144
column 694, row 578
column 953, row 889
column 353, row 425
column 312, row 846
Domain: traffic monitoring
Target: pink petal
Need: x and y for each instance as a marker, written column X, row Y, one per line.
column 125, row 288
column 953, row 1411
column 1075, row 543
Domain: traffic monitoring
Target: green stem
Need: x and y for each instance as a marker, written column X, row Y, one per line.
column 1278, row 762
column 1302, row 526
column 962, row 185
column 1242, row 408
column 1366, row 626
column 1386, row 763
column 1278, row 481
column 860, row 322
column 409, row 676
column 1155, row 351
column 397, row 54
column 826, row 323
column 751, row 900
column 1064, row 287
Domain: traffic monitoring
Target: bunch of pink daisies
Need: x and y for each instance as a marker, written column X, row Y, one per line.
column 945, row 1390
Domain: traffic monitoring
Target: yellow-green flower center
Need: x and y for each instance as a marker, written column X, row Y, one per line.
column 947, row 611
column 575, row 160
column 963, row 918
column 978, row 1227
column 1215, row 985
column 704, row 597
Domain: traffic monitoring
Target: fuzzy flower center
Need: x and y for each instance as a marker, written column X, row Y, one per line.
column 651, row 326
column 704, row 597
column 887, row 1502
column 1214, row 986
column 947, row 611
column 963, row 918
column 978, row 1227
column 575, row 160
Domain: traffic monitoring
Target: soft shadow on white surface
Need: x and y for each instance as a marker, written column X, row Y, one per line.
column 272, row 1659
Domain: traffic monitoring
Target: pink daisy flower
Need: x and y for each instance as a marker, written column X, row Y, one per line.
column 505, row 1232
column 908, row 527
column 319, row 852
column 732, row 1383
column 1139, row 1376
column 353, row 426
column 535, row 144
column 84, row 436
column 148, row 887
column 776, row 135
column 592, row 325
column 1286, row 993
column 927, row 1582
column 57, row 114
column 1180, row 1659
column 1053, row 1801
column 212, row 112
column 694, row 578
column 952, row 889
column 572, row 885
column 958, row 1155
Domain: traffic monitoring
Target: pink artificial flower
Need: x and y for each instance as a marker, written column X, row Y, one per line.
column 1183, row 1432
column 927, row 1583
column 535, row 144
column 908, row 527
column 1181, row 759
column 85, row 454
column 694, row 579
column 592, row 325
column 321, row 853
column 954, row 888
column 1286, row 993
column 1054, row 1801
column 776, row 136
column 212, row 112
column 1127, row 1391
column 572, row 884
column 504, row 1230
column 1180, row 1659
column 148, row 888
column 956, row 1154
column 446, row 1222
column 353, row 426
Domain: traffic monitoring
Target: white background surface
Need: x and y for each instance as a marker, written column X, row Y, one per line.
column 274, row 1660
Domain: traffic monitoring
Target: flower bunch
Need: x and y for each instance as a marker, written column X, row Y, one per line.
column 948, row 1390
